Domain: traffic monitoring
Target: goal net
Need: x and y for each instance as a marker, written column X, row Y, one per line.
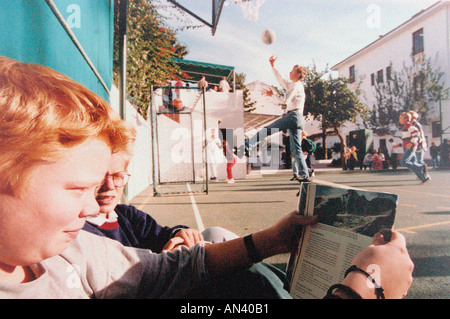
column 178, row 140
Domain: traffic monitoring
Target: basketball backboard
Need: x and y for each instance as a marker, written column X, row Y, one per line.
column 217, row 6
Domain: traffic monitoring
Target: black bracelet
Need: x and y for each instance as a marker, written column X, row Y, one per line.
column 251, row 249
column 176, row 230
column 346, row 289
column 379, row 291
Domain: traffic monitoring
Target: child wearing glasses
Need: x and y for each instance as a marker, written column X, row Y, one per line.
column 129, row 225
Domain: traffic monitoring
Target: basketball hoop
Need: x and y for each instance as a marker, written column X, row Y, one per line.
column 250, row 8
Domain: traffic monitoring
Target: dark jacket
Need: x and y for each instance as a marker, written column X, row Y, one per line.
column 136, row 229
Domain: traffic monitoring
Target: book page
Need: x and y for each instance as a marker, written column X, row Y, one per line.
column 348, row 220
column 326, row 253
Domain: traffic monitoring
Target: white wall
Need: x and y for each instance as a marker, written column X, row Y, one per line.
column 140, row 166
column 229, row 109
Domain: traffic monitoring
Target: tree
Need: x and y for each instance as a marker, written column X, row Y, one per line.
column 151, row 45
column 316, row 95
column 249, row 105
column 415, row 87
column 332, row 102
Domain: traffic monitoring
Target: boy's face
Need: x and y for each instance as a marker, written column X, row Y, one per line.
column 108, row 195
column 42, row 221
column 402, row 120
column 294, row 75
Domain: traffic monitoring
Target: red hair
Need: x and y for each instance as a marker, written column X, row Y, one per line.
column 42, row 113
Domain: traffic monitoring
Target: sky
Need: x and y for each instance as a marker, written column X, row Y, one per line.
column 320, row 32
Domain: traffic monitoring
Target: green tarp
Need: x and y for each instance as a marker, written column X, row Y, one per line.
column 213, row 72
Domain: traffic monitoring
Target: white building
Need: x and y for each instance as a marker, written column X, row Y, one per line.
column 426, row 34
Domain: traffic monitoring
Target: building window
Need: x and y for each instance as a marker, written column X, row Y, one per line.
column 380, row 76
column 418, row 46
column 388, row 73
column 351, row 76
column 372, row 79
column 436, row 129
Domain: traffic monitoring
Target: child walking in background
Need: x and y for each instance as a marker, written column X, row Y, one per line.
column 231, row 160
column 410, row 137
column 422, row 146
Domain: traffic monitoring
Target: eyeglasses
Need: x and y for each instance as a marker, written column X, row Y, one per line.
column 119, row 179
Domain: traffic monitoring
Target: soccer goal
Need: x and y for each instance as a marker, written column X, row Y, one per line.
column 178, row 140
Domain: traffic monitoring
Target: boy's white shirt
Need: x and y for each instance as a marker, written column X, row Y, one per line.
column 295, row 95
column 99, row 220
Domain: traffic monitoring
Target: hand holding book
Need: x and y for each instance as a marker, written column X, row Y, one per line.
column 391, row 264
column 354, row 228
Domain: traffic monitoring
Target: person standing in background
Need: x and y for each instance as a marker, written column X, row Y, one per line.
column 214, row 155
column 231, row 160
column 223, row 85
column 434, row 153
column 202, row 83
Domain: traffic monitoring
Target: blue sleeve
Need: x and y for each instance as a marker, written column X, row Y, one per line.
column 147, row 232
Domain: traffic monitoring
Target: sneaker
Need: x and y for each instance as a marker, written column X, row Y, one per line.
column 213, row 178
column 304, row 180
column 426, row 180
column 294, row 178
column 230, row 181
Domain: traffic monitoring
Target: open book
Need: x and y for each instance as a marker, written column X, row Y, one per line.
column 348, row 220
